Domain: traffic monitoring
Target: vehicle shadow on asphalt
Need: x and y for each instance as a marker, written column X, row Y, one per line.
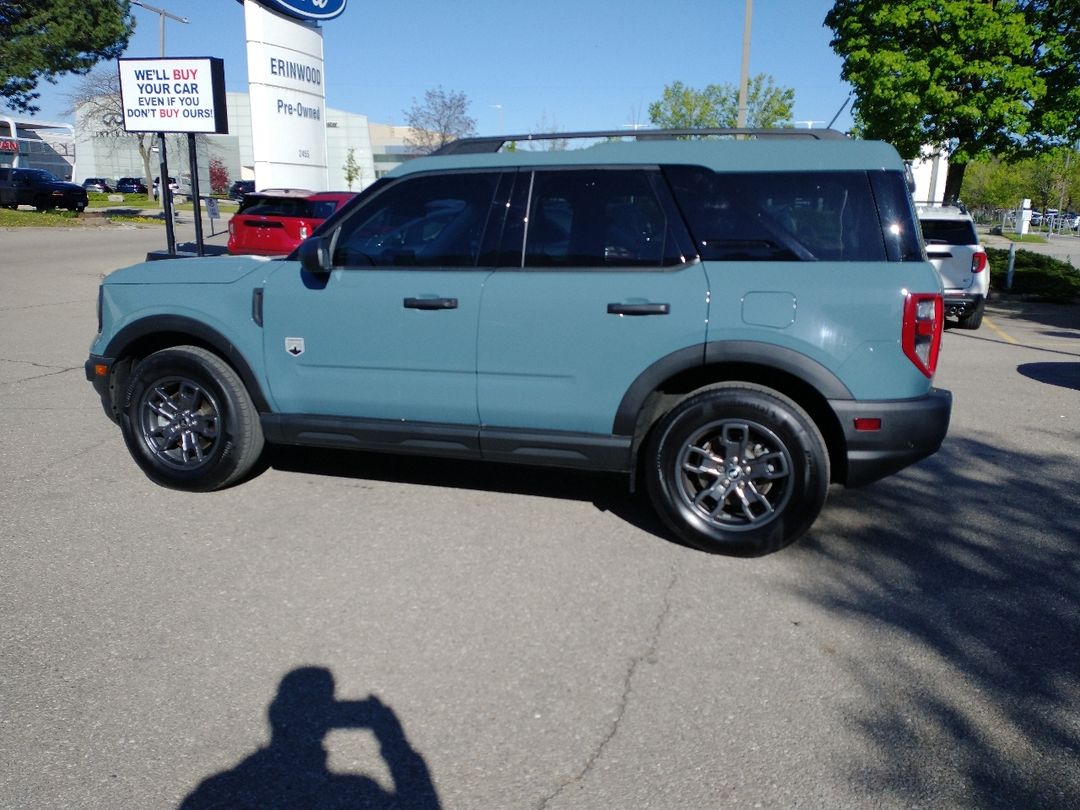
column 291, row 772
column 608, row 492
column 967, row 566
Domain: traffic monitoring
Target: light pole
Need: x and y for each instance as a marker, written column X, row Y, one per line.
column 744, row 73
column 162, row 13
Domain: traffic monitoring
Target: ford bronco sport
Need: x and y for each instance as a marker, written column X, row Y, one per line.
column 733, row 323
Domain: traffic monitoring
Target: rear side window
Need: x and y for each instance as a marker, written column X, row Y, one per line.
column 948, row 232
column 779, row 216
column 598, row 218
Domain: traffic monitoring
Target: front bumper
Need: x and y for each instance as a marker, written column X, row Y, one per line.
column 910, row 430
column 99, row 372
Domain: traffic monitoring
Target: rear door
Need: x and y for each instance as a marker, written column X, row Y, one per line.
column 595, row 284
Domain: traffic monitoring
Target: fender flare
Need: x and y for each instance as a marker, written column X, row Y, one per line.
column 744, row 352
column 179, row 325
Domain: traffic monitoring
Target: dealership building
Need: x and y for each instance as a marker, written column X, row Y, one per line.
column 105, row 150
column 96, row 148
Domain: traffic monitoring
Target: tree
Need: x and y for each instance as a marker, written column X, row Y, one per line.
column 219, row 176
column 968, row 77
column 683, row 107
column 42, row 41
column 351, row 167
column 442, row 118
column 97, row 99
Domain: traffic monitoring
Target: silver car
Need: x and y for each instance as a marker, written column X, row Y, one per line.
column 952, row 245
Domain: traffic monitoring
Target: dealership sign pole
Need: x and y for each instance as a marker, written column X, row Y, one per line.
column 185, row 95
column 286, row 85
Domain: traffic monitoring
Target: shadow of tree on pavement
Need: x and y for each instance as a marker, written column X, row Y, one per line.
column 967, row 568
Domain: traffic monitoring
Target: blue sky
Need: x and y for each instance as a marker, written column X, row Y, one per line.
column 564, row 64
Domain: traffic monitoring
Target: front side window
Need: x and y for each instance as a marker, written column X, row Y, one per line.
column 424, row 221
column 779, row 216
column 597, row 218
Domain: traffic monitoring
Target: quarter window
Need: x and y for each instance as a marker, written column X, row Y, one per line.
column 779, row 216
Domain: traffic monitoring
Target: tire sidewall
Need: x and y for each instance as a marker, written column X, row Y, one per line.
column 808, row 480
column 223, row 461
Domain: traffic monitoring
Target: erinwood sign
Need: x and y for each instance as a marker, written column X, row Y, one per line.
column 174, row 95
column 286, row 86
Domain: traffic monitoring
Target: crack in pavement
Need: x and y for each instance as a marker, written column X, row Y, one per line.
column 648, row 654
column 55, row 370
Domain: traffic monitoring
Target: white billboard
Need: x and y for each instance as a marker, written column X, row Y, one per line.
column 174, row 95
column 288, row 100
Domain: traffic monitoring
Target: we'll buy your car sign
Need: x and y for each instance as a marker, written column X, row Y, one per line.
column 174, row 95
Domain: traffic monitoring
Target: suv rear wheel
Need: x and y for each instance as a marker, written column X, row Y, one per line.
column 972, row 319
column 738, row 469
column 189, row 422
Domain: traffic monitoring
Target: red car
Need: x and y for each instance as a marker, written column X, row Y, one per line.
column 274, row 221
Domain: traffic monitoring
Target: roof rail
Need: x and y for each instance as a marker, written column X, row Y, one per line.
column 493, row 143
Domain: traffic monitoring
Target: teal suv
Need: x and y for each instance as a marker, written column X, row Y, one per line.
column 733, row 322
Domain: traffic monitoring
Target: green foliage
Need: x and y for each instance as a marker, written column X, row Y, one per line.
column 1050, row 180
column 977, row 76
column 717, row 105
column 1034, row 274
column 37, row 219
column 44, row 40
column 351, row 167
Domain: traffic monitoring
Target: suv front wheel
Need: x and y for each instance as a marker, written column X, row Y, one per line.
column 189, row 422
column 737, row 469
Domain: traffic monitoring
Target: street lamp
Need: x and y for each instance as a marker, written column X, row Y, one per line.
column 163, row 14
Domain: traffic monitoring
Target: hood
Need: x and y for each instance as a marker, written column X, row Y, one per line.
column 197, row 270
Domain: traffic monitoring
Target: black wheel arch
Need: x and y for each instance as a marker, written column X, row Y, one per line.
column 154, row 333
column 678, row 375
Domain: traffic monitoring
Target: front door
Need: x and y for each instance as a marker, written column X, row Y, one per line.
column 390, row 333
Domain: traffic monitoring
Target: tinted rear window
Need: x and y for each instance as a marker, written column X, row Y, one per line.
column 287, row 207
column 779, row 216
column 948, row 232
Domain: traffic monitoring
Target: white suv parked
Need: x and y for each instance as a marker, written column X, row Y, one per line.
column 952, row 245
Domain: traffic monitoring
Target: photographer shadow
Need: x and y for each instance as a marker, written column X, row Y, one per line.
column 291, row 772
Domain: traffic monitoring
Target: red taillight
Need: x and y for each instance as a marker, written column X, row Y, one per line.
column 921, row 333
column 232, row 228
column 303, row 231
column 978, row 261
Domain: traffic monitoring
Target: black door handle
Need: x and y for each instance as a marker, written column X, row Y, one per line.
column 638, row 309
column 430, row 303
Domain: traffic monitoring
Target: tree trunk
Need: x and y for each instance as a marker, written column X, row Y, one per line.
column 953, row 181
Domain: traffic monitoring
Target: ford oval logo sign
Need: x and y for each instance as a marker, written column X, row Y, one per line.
column 307, row 9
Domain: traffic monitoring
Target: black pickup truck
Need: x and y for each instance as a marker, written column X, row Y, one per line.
column 41, row 189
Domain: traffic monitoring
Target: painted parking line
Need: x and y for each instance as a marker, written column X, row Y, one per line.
column 997, row 330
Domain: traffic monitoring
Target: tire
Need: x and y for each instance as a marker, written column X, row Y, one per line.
column 737, row 469
column 188, row 421
column 973, row 319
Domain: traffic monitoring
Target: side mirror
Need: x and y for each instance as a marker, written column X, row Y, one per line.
column 314, row 255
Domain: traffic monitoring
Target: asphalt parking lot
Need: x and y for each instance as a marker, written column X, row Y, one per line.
column 406, row 633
